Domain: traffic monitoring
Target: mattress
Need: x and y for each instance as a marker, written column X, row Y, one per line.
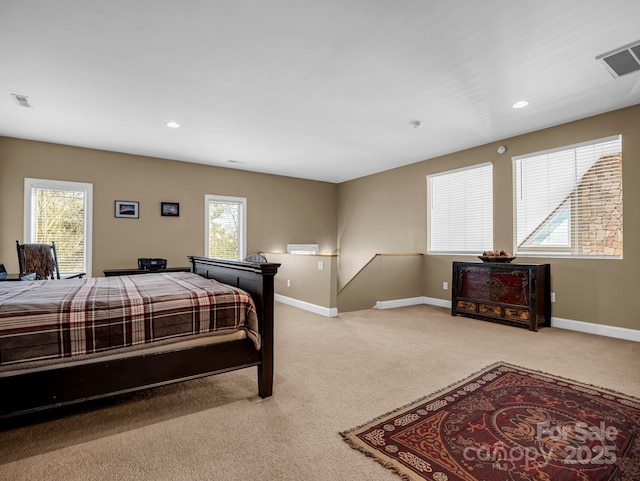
column 56, row 319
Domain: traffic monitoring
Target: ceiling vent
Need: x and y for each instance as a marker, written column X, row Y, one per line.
column 22, row 100
column 621, row 61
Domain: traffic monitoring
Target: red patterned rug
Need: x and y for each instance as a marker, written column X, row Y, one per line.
column 509, row 423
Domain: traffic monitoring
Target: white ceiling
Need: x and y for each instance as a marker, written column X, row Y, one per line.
column 324, row 90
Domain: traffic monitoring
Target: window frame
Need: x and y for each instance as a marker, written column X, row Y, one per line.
column 526, row 248
column 86, row 188
column 242, row 235
column 430, row 227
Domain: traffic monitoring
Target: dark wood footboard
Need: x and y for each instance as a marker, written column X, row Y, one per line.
column 258, row 280
column 33, row 389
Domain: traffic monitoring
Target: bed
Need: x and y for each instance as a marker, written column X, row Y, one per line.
column 136, row 343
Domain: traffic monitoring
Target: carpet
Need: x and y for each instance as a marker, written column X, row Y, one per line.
column 509, row 423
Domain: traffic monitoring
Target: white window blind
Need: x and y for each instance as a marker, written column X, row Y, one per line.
column 60, row 212
column 460, row 206
column 568, row 201
column 225, row 227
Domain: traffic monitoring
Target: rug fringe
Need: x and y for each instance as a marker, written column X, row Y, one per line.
column 423, row 398
column 381, row 462
column 574, row 381
column 473, row 374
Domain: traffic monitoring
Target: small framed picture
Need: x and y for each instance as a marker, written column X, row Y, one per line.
column 127, row 208
column 170, row 209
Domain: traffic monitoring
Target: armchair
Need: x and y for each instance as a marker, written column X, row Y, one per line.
column 42, row 259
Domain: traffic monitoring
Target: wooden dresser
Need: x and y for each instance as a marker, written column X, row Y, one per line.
column 516, row 294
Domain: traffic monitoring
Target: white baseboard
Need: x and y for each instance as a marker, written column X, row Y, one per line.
column 598, row 329
column 411, row 301
column 578, row 326
column 307, row 306
column 560, row 323
column 433, row 301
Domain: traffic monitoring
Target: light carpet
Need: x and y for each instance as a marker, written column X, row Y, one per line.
column 330, row 373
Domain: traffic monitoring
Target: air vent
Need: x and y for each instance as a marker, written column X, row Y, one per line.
column 621, row 61
column 22, row 100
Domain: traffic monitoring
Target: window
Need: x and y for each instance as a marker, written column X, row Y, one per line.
column 460, row 207
column 568, row 201
column 60, row 212
column 225, row 227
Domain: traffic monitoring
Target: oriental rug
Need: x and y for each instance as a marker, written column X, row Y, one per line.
column 509, row 423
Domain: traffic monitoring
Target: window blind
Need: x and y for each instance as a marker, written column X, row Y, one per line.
column 460, row 206
column 568, row 201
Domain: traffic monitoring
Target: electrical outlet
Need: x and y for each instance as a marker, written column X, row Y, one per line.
column 288, row 282
column 445, row 286
column 553, row 297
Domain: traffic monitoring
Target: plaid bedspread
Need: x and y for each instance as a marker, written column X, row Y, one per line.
column 63, row 318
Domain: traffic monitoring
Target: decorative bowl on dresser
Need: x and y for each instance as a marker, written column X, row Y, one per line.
column 496, row 258
column 516, row 294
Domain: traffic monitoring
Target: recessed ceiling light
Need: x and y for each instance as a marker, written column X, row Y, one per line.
column 520, row 104
column 173, row 125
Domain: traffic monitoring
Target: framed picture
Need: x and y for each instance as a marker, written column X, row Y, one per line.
column 127, row 208
column 170, row 209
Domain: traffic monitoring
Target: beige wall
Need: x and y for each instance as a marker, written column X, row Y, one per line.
column 307, row 282
column 387, row 277
column 386, row 212
column 280, row 210
column 382, row 213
